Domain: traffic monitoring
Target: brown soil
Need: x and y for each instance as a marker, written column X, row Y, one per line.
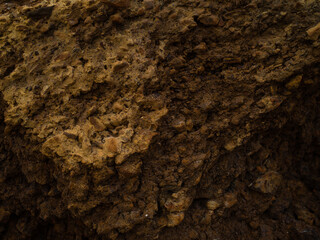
column 186, row 119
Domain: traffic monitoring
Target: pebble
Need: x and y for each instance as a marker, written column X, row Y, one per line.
column 314, row 32
column 148, row 4
column 179, row 202
column 270, row 102
column 269, row 182
column 209, row 20
column 98, row 125
column 175, row 219
column 117, row 107
column 179, row 124
column 213, row 204
column 294, row 83
column 111, row 145
column 201, row 47
column 117, row 19
column 118, row 66
column 230, row 199
column 129, row 169
column 230, row 145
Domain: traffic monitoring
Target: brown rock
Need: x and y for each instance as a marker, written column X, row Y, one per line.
column 148, row 4
column 209, row 20
column 98, row 125
column 213, row 204
column 201, row 47
column 175, row 219
column 294, row 83
column 269, row 182
column 129, row 169
column 230, row 199
column 179, row 202
column 116, row 18
column 120, row 65
column 314, row 32
column 112, row 145
column 179, row 124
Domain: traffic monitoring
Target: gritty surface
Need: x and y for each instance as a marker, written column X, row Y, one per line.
column 124, row 119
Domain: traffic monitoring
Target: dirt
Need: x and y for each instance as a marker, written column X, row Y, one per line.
column 128, row 119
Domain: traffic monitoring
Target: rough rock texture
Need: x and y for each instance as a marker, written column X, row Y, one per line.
column 186, row 119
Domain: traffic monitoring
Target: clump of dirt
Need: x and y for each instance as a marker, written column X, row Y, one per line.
column 128, row 119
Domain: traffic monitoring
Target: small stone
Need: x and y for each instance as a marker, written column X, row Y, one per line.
column 189, row 124
column 314, row 32
column 88, row 20
column 175, row 219
column 209, row 20
column 201, row 47
column 129, row 169
column 269, row 182
column 117, row 19
column 213, row 204
column 270, row 103
column 230, row 145
column 294, row 83
column 118, row 66
column 111, row 146
column 178, row 202
column 187, row 24
column 98, row 125
column 44, row 28
column 178, row 62
column 70, row 135
column 230, row 199
column 179, row 124
column 73, row 22
column 148, row 4
column 117, row 107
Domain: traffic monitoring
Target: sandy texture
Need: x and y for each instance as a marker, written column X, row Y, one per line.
column 127, row 119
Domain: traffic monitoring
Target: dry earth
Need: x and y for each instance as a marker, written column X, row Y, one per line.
column 186, row 119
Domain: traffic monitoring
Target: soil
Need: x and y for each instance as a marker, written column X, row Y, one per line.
column 186, row 119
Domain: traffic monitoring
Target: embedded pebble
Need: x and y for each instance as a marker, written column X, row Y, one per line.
column 314, row 32
column 209, row 20
column 213, row 204
column 230, row 199
column 118, row 66
column 175, row 219
column 269, row 182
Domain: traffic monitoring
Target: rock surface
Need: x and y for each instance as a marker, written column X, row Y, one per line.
column 127, row 119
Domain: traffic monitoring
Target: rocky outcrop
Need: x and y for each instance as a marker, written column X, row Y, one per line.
column 127, row 119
